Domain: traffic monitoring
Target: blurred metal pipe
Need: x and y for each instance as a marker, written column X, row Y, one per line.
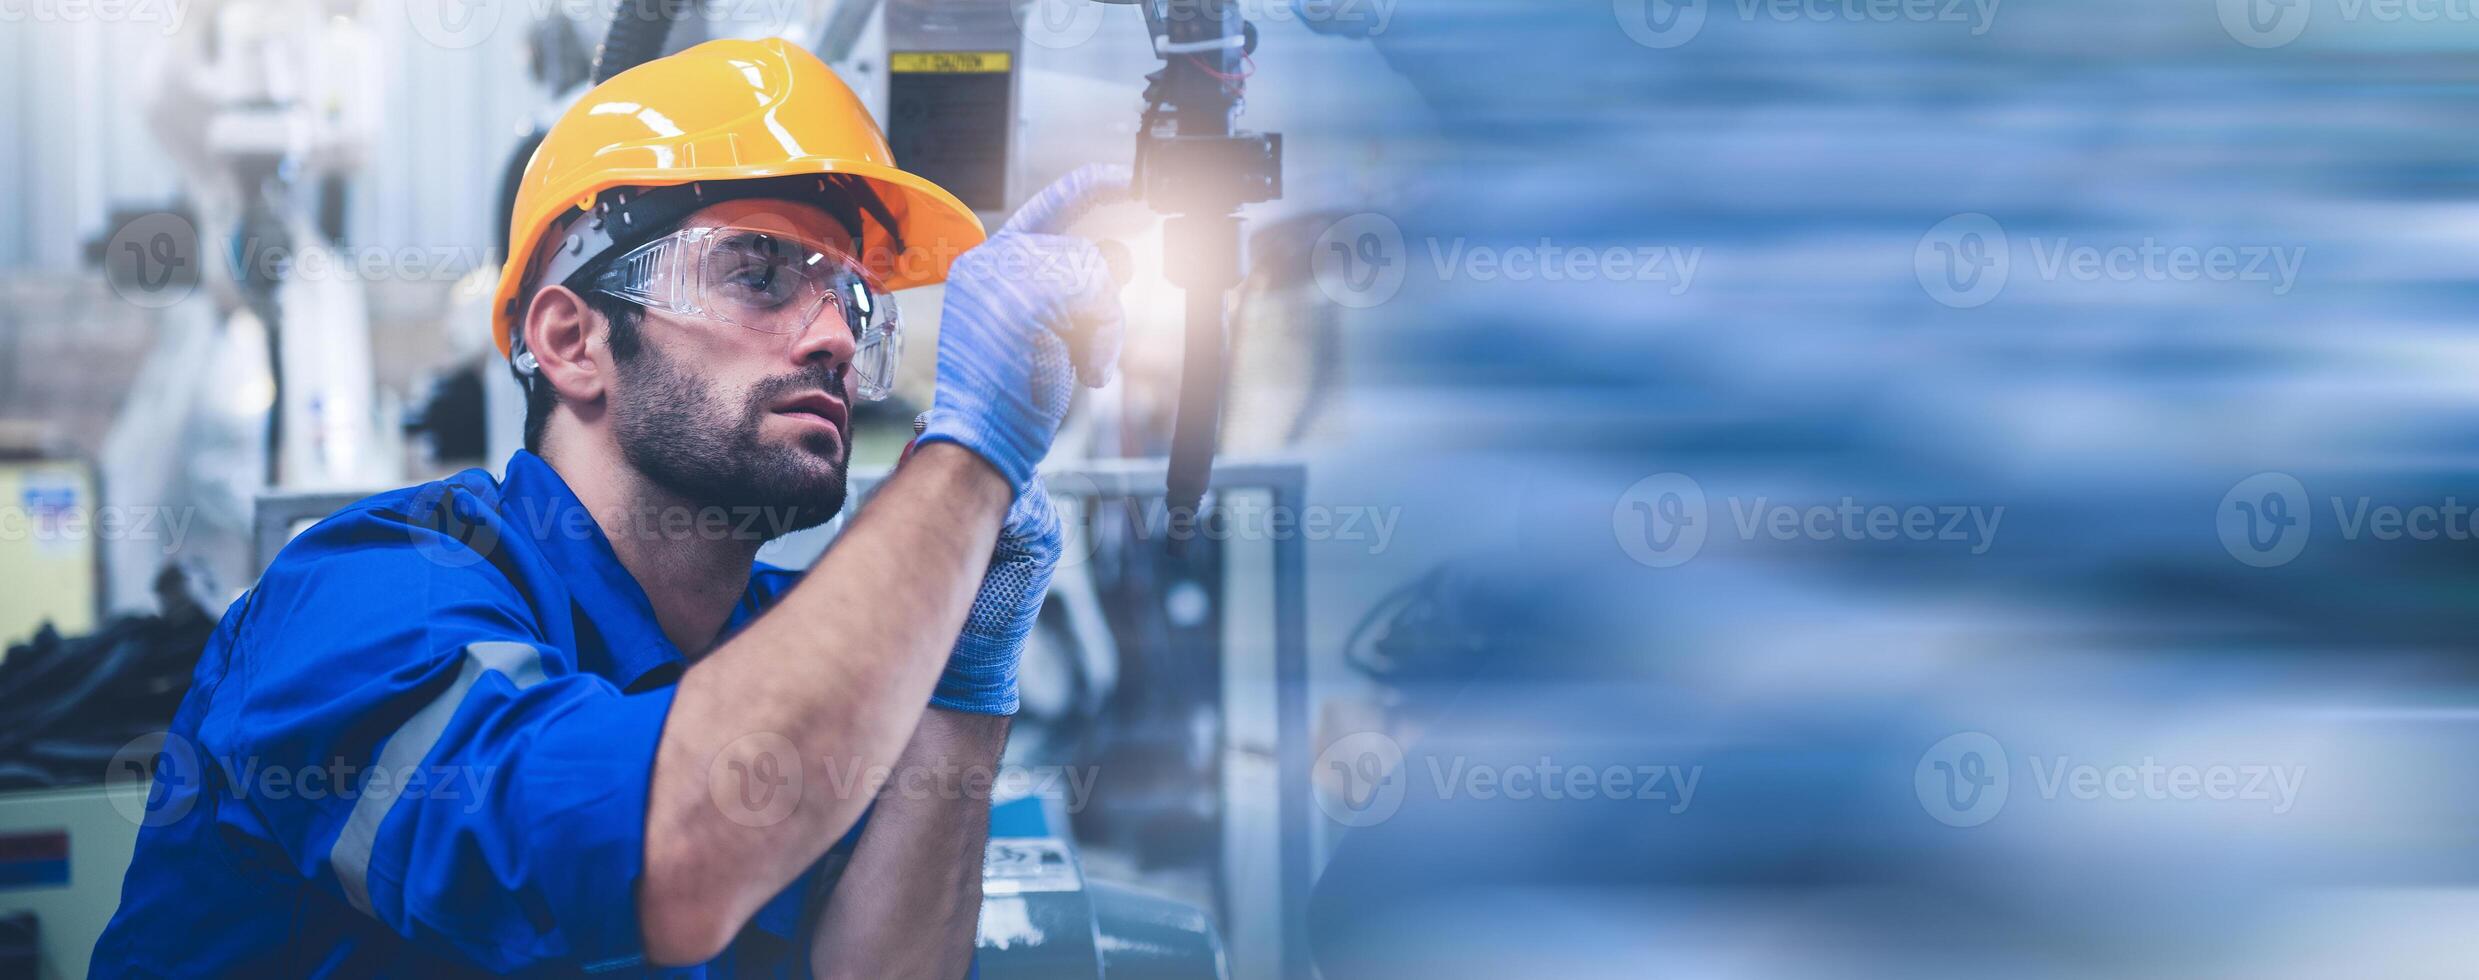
column 843, row 29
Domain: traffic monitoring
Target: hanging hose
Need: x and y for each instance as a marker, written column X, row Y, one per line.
column 639, row 29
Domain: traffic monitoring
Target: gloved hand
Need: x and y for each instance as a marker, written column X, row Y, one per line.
column 1028, row 313
column 981, row 672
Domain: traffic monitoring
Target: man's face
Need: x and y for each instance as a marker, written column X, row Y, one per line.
column 731, row 417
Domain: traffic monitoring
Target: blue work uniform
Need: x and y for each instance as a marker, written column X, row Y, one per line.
column 421, row 746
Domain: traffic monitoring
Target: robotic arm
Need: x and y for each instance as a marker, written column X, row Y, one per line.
column 1197, row 170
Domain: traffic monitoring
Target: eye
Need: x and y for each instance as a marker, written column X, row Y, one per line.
column 753, row 270
column 758, row 286
column 753, row 276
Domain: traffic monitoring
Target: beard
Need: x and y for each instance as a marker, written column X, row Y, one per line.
column 688, row 440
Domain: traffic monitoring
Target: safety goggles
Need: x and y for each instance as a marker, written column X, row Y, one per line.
column 768, row 282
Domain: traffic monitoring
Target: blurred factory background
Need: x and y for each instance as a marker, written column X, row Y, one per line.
column 1778, row 488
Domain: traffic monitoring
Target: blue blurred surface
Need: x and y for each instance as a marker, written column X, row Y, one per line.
column 2105, row 424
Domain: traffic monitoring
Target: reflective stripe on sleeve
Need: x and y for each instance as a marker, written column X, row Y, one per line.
column 520, row 663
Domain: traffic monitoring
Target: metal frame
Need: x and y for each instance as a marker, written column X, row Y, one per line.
column 274, row 513
column 1140, row 479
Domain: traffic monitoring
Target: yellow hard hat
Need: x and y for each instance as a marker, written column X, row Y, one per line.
column 730, row 111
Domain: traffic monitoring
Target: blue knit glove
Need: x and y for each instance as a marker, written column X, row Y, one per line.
column 1028, row 313
column 981, row 672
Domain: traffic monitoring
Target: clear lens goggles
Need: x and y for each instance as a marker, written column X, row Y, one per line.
column 767, row 282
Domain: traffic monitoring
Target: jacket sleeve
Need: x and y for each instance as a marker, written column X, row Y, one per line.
column 398, row 729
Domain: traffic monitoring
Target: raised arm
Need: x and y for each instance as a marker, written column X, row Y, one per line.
column 829, row 685
column 815, row 695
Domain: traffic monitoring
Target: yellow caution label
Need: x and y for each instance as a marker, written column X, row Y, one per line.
column 948, row 62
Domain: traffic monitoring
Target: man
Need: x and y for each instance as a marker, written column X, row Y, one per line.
column 553, row 723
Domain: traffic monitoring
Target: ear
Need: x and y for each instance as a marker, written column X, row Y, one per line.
column 565, row 337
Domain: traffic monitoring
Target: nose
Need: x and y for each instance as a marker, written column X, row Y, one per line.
column 828, row 340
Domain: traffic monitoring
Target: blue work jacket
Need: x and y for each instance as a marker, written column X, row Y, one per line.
column 420, row 747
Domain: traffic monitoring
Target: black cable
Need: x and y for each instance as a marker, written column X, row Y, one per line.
column 639, row 29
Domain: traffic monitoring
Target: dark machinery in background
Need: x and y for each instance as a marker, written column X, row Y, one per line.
column 68, row 703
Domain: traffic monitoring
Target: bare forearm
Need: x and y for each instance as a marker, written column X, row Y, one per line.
column 909, row 902
column 831, row 681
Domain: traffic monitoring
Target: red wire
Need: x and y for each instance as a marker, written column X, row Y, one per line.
column 1230, row 83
